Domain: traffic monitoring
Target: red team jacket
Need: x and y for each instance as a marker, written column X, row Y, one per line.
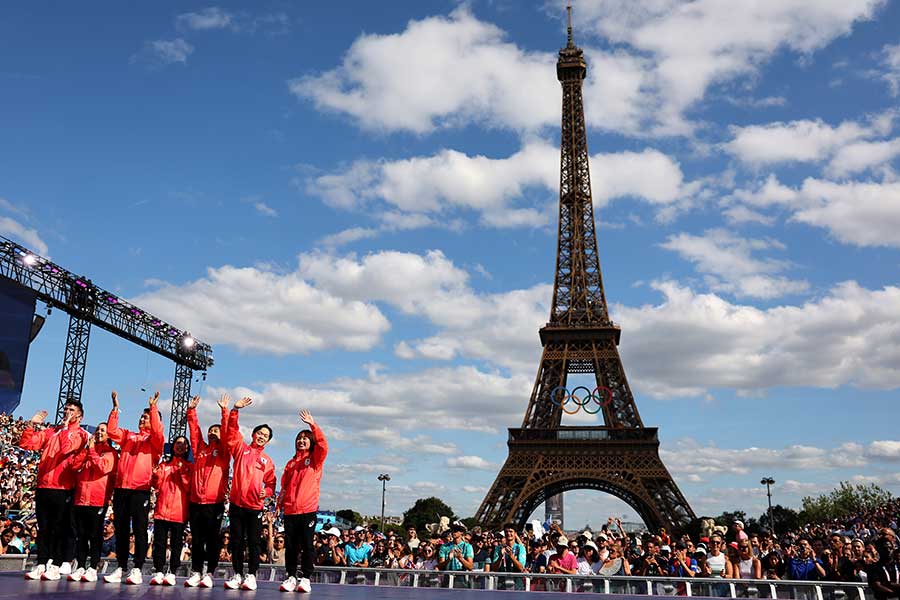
column 253, row 479
column 95, row 474
column 172, row 481
column 301, row 477
column 211, row 462
column 58, row 446
column 140, row 452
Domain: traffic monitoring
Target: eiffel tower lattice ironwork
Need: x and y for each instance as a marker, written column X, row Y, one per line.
column 545, row 458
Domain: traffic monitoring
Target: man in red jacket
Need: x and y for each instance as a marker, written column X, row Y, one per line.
column 95, row 467
column 253, row 480
column 208, row 481
column 55, row 484
column 140, row 451
column 300, row 500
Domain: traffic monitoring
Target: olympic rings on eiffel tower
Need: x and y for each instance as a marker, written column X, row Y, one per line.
column 601, row 396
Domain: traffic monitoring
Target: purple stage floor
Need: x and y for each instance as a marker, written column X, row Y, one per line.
column 13, row 585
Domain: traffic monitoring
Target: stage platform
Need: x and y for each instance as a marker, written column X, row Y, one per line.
column 14, row 585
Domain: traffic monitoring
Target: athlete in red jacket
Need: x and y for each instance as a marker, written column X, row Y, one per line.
column 172, row 482
column 55, row 484
column 95, row 468
column 252, row 481
column 300, row 500
column 208, row 481
column 140, row 451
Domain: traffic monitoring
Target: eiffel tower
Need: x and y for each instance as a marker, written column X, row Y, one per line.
column 546, row 458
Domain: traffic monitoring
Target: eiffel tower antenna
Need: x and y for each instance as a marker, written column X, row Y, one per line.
column 547, row 458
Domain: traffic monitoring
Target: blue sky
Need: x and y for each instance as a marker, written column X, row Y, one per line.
column 356, row 205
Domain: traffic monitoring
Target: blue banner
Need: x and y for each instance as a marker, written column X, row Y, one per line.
column 16, row 315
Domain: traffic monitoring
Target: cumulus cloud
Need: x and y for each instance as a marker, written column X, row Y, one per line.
column 516, row 191
column 804, row 141
column 27, row 236
column 690, row 343
column 694, row 45
column 855, row 213
column 385, row 408
column 258, row 309
column 729, row 265
column 891, row 64
column 467, row 72
column 713, row 460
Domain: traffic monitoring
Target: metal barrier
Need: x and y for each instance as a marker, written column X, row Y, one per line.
column 533, row 582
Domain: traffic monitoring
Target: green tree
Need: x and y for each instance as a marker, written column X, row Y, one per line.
column 425, row 511
column 844, row 500
column 786, row 519
column 351, row 515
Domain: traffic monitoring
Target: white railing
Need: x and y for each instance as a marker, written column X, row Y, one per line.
column 632, row 586
column 636, row 586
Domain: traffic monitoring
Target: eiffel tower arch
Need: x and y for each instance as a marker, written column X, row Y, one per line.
column 546, row 458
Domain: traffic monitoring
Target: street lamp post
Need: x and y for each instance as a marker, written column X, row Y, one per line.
column 384, row 478
column 768, row 482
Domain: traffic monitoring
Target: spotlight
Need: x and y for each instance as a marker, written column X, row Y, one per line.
column 188, row 342
column 29, row 260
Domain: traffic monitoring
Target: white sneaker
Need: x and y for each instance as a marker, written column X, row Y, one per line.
column 157, row 578
column 169, row 579
column 304, row 585
column 65, row 568
column 75, row 575
column 51, row 574
column 289, row 584
column 207, row 581
column 90, row 576
column 114, row 577
column 36, row 572
column 135, row 577
column 193, row 580
column 249, row 583
column 234, row 583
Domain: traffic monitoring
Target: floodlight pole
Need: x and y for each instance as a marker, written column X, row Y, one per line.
column 768, row 482
column 383, row 478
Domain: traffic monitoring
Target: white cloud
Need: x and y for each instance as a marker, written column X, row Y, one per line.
column 264, row 209
column 891, row 62
column 690, row 343
column 713, row 460
column 730, row 266
column 884, row 450
column 856, row 213
column 800, row 141
column 470, row 462
column 27, row 236
column 159, row 53
column 496, row 189
column 207, row 18
column 861, row 156
column 696, row 44
column 347, row 236
column 465, row 71
column 384, row 409
column 255, row 308
column 740, row 214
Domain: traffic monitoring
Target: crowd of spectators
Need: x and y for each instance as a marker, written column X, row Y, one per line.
column 860, row 548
